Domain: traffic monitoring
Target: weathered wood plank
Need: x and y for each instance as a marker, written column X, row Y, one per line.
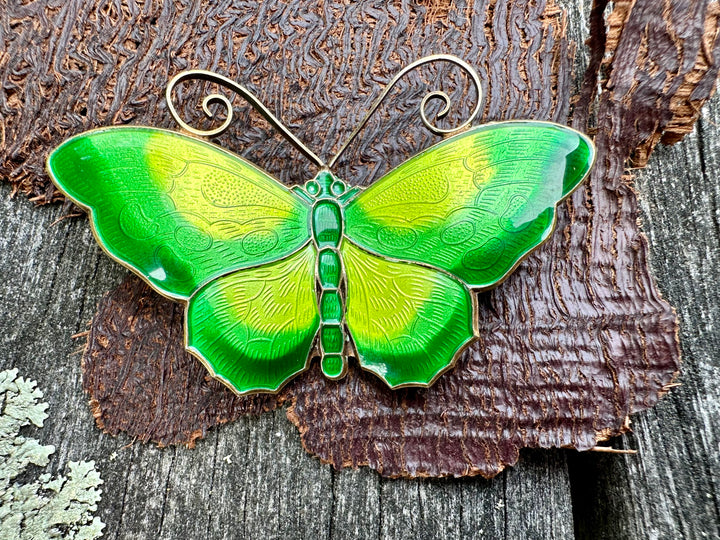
column 356, row 504
column 271, row 488
column 52, row 277
column 526, row 486
column 670, row 489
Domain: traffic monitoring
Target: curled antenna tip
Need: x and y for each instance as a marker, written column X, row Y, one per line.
column 436, row 94
column 252, row 99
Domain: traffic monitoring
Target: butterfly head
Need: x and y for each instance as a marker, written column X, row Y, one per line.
column 325, row 185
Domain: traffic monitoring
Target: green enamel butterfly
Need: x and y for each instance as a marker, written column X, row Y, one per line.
column 274, row 276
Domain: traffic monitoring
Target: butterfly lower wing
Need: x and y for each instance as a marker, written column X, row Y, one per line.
column 255, row 328
column 474, row 204
column 408, row 322
column 175, row 209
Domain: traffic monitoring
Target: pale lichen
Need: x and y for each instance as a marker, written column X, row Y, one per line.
column 60, row 507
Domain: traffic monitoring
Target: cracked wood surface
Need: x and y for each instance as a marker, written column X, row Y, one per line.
column 251, row 478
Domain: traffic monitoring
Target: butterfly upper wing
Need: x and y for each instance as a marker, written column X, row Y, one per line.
column 177, row 210
column 474, row 204
column 255, row 327
column 408, row 322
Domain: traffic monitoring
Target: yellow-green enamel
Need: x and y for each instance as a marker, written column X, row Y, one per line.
column 177, row 210
column 397, row 262
column 408, row 322
column 255, row 327
column 475, row 204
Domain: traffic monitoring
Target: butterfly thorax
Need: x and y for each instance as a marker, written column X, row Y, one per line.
column 326, row 222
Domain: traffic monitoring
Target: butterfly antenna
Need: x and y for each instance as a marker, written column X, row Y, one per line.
column 200, row 74
column 436, row 94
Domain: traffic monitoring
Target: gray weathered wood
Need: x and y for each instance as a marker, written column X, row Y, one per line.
column 670, row 490
column 52, row 277
column 252, row 479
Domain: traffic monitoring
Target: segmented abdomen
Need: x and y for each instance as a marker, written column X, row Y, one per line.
column 327, row 226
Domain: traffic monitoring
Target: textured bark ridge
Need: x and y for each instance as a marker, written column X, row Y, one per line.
column 168, row 397
column 576, row 340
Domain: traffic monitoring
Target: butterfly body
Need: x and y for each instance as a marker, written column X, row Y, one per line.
column 273, row 276
column 327, row 231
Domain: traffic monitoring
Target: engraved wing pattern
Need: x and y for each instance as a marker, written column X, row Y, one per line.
column 457, row 217
column 255, row 327
column 208, row 228
column 177, row 210
column 475, row 204
column 408, row 322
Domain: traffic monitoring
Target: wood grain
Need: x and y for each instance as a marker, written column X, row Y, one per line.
column 53, row 277
column 670, row 489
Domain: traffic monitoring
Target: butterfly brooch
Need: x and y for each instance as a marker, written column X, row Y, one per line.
column 272, row 277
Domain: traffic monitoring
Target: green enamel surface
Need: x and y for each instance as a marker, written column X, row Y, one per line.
column 255, row 327
column 338, row 188
column 203, row 225
column 329, row 268
column 321, row 185
column 330, row 307
column 331, row 337
column 407, row 321
column 177, row 210
column 327, row 226
column 326, row 223
column 475, row 204
column 332, row 365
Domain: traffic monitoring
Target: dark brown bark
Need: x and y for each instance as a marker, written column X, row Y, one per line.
column 136, row 367
column 575, row 341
